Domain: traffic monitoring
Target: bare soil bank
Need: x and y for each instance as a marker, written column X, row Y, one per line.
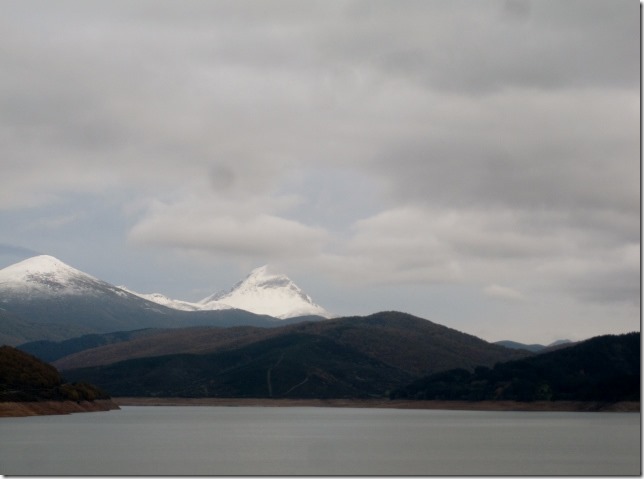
column 384, row 403
column 42, row 408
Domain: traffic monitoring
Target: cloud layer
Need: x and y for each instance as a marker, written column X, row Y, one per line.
column 487, row 143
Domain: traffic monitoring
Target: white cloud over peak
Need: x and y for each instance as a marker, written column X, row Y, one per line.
column 222, row 227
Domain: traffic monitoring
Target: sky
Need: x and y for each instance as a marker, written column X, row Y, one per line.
column 475, row 163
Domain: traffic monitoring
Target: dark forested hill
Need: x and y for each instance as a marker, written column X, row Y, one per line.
column 290, row 365
column 605, row 368
column 346, row 357
column 411, row 344
column 26, row 378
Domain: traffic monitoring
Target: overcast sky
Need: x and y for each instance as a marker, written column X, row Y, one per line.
column 474, row 162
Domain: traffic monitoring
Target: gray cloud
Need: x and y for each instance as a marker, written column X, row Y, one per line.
column 263, row 236
column 503, row 293
column 160, row 93
column 209, row 223
column 528, row 148
column 487, row 46
column 616, row 286
column 384, row 142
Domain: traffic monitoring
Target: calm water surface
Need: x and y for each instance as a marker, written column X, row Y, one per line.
column 320, row 441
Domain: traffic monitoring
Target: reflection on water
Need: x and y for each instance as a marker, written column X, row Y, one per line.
column 320, row 441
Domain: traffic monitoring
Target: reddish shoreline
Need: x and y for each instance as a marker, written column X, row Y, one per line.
column 625, row 406
column 44, row 408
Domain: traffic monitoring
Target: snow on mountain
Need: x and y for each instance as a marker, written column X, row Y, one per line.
column 47, row 276
column 164, row 300
column 263, row 292
column 174, row 303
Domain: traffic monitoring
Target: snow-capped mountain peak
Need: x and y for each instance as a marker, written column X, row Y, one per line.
column 258, row 278
column 46, row 274
column 39, row 265
column 261, row 292
column 265, row 292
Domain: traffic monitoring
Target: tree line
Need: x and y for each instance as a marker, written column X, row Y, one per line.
column 604, row 368
column 26, row 378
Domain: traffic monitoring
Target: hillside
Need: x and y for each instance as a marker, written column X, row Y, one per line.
column 97, row 349
column 412, row 344
column 291, row 365
column 50, row 351
column 198, row 340
column 605, row 368
column 406, row 342
column 26, row 378
column 346, row 357
column 15, row 329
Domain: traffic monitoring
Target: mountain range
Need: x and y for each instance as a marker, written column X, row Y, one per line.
column 44, row 298
column 387, row 354
column 415, row 345
column 132, row 344
column 341, row 357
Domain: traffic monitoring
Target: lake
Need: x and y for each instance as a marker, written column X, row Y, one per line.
column 170, row 440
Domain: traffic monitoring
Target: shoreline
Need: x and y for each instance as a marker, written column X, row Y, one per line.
column 54, row 408
column 564, row 406
column 42, row 408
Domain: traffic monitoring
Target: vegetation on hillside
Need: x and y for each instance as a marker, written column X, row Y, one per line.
column 25, row 378
column 50, row 351
column 288, row 366
column 354, row 357
column 16, row 329
column 412, row 344
column 605, row 368
column 96, row 350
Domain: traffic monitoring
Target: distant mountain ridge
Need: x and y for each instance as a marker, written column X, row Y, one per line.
column 44, row 298
column 560, row 343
